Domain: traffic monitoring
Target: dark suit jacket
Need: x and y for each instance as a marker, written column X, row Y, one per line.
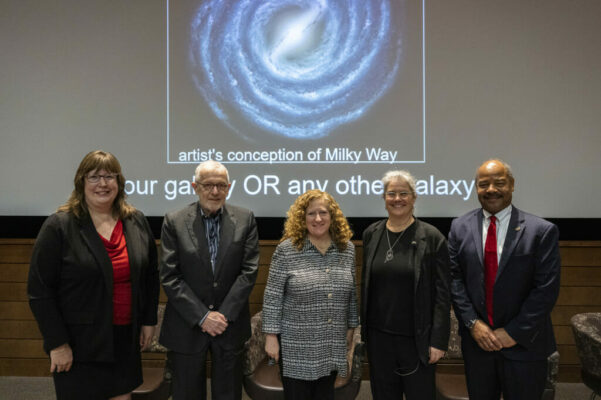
column 526, row 286
column 70, row 284
column 191, row 286
column 432, row 298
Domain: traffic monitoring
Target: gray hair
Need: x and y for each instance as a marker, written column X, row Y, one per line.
column 401, row 175
column 503, row 163
column 210, row 165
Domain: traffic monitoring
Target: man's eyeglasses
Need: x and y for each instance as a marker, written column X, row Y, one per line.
column 393, row 195
column 96, row 178
column 208, row 187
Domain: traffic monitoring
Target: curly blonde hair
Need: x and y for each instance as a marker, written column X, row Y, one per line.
column 295, row 227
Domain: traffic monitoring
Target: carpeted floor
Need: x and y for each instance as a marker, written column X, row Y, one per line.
column 26, row 388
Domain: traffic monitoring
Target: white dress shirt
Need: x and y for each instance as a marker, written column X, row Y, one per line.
column 503, row 218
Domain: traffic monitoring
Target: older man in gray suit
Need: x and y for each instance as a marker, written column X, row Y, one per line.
column 208, row 269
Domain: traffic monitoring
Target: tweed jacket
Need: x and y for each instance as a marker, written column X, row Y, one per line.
column 311, row 302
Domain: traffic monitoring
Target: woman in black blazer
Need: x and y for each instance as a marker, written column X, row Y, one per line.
column 405, row 302
column 93, row 286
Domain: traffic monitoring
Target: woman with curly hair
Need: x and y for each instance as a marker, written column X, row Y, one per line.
column 310, row 304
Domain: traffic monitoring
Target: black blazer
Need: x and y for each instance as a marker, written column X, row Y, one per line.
column 191, row 286
column 526, row 286
column 70, row 284
column 432, row 279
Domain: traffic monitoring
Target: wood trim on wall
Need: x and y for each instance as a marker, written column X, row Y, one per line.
column 21, row 351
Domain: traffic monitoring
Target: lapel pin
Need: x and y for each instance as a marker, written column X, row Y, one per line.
column 517, row 228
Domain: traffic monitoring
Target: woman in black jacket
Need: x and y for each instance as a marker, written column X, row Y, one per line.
column 93, row 286
column 405, row 302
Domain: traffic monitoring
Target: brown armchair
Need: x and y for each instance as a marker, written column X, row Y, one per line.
column 450, row 374
column 262, row 381
column 157, row 381
column 587, row 335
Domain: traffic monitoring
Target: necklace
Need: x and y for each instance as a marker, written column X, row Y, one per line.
column 321, row 246
column 389, row 252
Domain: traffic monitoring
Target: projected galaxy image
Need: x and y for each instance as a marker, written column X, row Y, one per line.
column 292, row 68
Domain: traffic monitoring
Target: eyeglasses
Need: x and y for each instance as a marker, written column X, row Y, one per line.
column 96, row 178
column 314, row 214
column 393, row 195
column 208, row 187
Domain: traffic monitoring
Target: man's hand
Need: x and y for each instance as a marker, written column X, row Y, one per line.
column 272, row 346
column 214, row 324
column 506, row 340
column 146, row 336
column 485, row 337
column 61, row 358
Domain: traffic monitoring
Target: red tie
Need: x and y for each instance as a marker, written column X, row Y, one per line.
column 490, row 265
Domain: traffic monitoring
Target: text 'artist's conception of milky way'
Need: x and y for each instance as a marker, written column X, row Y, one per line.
column 295, row 68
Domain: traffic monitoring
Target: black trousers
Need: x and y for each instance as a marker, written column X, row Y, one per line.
column 395, row 368
column 489, row 374
column 320, row 389
column 189, row 374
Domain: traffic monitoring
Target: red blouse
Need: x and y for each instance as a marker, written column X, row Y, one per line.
column 117, row 251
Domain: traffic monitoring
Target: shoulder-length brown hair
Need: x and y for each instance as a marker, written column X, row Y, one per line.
column 295, row 227
column 96, row 161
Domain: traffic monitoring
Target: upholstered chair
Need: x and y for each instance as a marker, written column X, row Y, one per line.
column 587, row 335
column 157, row 380
column 262, row 379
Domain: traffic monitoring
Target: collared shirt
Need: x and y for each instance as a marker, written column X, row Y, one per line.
column 503, row 218
column 212, row 225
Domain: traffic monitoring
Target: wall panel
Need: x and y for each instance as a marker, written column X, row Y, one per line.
column 21, row 345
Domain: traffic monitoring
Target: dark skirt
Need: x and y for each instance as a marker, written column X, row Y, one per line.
column 101, row 380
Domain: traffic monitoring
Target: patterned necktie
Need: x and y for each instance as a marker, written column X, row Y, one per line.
column 491, row 265
column 212, row 227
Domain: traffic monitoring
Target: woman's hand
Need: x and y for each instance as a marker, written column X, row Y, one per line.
column 146, row 336
column 349, row 344
column 272, row 346
column 435, row 355
column 61, row 358
column 349, row 337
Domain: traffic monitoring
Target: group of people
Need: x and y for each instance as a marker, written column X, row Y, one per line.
column 94, row 284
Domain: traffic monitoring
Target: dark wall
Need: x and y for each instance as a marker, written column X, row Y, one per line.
column 271, row 228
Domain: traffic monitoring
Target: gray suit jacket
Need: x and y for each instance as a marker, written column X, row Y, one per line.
column 526, row 286
column 191, row 286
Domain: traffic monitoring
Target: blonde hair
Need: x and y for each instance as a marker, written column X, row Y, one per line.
column 295, row 227
column 96, row 161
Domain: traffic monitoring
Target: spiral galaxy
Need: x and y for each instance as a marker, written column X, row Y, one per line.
column 295, row 68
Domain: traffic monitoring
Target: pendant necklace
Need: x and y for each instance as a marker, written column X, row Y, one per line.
column 389, row 253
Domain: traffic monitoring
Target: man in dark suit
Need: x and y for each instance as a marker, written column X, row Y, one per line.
column 208, row 269
column 505, row 270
